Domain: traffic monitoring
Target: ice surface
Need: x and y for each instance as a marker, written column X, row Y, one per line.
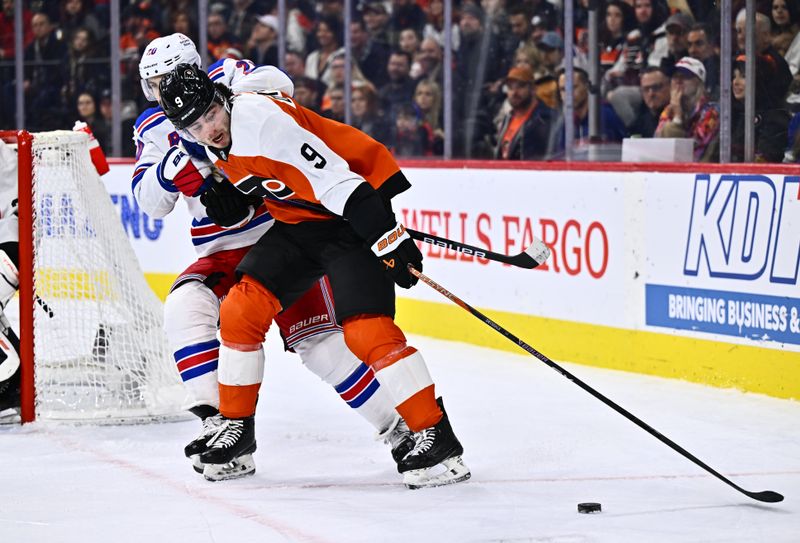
column 537, row 446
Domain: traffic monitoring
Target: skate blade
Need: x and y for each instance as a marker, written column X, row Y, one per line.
column 10, row 416
column 448, row 472
column 238, row 468
column 197, row 464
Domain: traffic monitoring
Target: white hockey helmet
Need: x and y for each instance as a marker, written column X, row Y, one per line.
column 162, row 55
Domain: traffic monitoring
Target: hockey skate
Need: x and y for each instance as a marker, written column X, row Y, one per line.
column 230, row 449
column 399, row 438
column 212, row 421
column 435, row 459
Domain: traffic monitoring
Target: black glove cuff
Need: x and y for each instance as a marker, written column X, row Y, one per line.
column 368, row 213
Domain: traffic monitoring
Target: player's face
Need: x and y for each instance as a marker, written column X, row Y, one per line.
column 213, row 128
column 739, row 84
column 152, row 84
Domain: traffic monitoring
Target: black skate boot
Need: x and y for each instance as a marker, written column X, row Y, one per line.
column 399, row 438
column 435, row 459
column 211, row 420
column 234, row 438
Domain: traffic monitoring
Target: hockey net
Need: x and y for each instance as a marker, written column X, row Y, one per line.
column 99, row 352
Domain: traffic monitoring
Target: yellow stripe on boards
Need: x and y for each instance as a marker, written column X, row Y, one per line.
column 160, row 283
column 752, row 369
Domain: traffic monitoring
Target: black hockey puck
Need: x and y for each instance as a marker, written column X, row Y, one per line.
column 589, row 508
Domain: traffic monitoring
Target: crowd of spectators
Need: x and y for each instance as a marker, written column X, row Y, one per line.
column 659, row 62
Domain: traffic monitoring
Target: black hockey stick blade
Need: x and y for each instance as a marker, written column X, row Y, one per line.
column 767, row 496
column 530, row 258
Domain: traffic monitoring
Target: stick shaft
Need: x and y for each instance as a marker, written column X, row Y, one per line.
column 768, row 496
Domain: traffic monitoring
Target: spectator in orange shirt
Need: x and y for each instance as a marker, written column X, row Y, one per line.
column 528, row 130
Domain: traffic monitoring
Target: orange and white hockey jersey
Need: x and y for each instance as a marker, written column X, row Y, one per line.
column 304, row 166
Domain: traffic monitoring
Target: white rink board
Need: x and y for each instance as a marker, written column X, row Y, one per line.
column 582, row 216
column 162, row 245
column 620, row 245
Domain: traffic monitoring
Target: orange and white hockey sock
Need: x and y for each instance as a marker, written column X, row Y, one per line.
column 245, row 316
column 378, row 341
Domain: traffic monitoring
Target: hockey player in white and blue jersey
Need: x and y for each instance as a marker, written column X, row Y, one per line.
column 167, row 169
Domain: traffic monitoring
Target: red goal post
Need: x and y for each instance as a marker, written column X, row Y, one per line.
column 92, row 346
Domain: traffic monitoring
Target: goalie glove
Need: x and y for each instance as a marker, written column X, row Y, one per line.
column 178, row 172
column 227, row 206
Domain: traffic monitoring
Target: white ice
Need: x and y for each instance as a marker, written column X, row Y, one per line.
column 537, row 446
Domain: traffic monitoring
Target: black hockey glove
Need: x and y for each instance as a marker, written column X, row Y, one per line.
column 226, row 205
column 396, row 250
column 372, row 219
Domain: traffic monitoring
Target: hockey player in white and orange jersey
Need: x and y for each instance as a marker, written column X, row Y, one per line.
column 329, row 187
column 162, row 173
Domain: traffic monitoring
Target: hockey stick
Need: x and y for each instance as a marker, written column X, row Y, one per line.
column 530, row 258
column 763, row 496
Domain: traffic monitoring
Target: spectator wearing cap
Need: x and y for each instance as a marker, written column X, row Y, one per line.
column 262, row 47
column 701, row 43
column 771, row 117
column 655, row 88
column 763, row 46
column 612, row 129
column 370, row 55
column 400, row 87
column 690, row 113
column 677, row 27
column 479, row 64
column 552, row 47
column 434, row 27
column 376, row 19
column 220, row 40
column 528, row 131
column 318, row 62
column 671, row 47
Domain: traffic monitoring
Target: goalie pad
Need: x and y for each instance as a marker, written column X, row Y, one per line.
column 9, row 371
column 9, row 278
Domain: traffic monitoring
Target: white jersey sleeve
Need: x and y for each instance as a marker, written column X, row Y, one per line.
column 9, row 226
column 153, row 134
column 244, row 76
column 283, row 140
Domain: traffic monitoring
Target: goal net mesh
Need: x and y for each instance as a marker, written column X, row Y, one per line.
column 99, row 347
